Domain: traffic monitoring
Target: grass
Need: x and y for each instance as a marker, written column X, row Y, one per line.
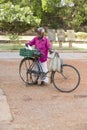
column 10, row 46
column 6, row 47
column 74, row 46
column 81, row 35
column 65, row 46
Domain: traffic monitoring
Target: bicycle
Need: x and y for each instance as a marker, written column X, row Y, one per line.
column 67, row 80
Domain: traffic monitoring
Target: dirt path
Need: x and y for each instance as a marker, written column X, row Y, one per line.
column 44, row 108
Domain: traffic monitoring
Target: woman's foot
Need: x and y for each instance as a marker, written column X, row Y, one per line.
column 43, row 83
column 36, row 83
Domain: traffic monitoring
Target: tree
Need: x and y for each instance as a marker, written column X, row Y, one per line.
column 16, row 17
column 76, row 13
column 20, row 15
column 68, row 14
column 79, row 13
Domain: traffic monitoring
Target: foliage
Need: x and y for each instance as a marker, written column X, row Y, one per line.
column 17, row 16
column 70, row 14
column 78, row 14
column 13, row 37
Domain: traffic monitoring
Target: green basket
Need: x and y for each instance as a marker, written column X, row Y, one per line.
column 28, row 53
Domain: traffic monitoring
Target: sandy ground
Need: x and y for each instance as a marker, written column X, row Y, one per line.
column 43, row 108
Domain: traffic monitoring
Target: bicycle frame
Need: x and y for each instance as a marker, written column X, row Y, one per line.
column 41, row 73
column 66, row 80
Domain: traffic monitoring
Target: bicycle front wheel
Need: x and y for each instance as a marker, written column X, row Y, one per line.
column 68, row 80
column 28, row 71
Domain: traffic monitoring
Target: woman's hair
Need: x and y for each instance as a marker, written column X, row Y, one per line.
column 41, row 30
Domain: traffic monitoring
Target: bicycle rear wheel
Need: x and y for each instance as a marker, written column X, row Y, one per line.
column 68, row 80
column 28, row 70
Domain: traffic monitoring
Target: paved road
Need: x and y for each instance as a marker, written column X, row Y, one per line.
column 5, row 114
column 3, row 101
column 15, row 55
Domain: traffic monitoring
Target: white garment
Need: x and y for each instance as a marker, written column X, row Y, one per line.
column 44, row 68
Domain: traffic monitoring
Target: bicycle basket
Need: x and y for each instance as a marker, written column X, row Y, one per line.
column 28, row 53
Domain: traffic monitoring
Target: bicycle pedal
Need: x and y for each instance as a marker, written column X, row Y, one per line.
column 27, row 84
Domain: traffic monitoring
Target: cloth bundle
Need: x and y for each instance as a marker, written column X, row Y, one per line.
column 56, row 63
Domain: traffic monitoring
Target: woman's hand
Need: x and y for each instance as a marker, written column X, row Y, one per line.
column 51, row 51
column 26, row 44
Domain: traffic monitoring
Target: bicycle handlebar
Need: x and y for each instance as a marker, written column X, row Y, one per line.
column 54, row 51
column 39, row 54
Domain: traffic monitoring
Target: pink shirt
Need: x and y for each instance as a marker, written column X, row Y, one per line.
column 43, row 45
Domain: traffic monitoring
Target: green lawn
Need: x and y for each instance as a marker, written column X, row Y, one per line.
column 65, row 46
column 75, row 46
column 10, row 46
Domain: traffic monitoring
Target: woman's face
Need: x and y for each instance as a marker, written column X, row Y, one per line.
column 40, row 34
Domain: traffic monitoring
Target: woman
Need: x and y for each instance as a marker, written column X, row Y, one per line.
column 42, row 43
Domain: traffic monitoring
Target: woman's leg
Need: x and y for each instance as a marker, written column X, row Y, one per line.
column 44, row 67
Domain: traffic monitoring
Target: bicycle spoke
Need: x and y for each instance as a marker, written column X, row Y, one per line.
column 68, row 80
column 27, row 72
